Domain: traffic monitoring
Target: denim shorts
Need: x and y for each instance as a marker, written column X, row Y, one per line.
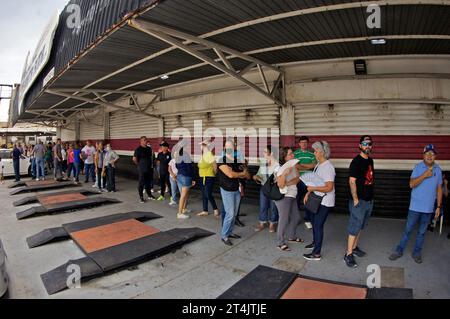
column 184, row 181
column 359, row 216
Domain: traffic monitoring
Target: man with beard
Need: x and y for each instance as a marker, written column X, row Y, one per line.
column 361, row 182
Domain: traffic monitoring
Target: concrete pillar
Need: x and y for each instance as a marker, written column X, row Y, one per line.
column 287, row 126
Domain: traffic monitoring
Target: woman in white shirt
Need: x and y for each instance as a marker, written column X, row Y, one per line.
column 325, row 170
column 289, row 215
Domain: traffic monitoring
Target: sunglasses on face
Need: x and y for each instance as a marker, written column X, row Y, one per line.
column 366, row 144
column 430, row 154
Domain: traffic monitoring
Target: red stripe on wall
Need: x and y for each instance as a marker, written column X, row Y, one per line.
column 131, row 144
column 393, row 147
column 385, row 146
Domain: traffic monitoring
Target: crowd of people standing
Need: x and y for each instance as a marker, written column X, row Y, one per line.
column 287, row 171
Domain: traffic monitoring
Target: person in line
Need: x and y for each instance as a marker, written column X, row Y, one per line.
column 88, row 153
column 143, row 158
column 17, row 155
column 361, row 180
column 100, row 167
column 163, row 159
column 307, row 162
column 325, row 170
column 70, row 162
column 109, row 168
column 77, row 162
column 173, row 171
column 49, row 157
column 185, row 179
column 57, row 160
column 30, row 154
column 289, row 214
column 64, row 164
column 39, row 155
column 426, row 185
column 207, row 167
column 268, row 212
column 229, row 173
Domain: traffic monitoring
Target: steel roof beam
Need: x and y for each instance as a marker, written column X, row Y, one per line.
column 146, row 26
column 149, row 29
column 87, row 100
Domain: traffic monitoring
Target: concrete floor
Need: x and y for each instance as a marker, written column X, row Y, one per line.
column 206, row 267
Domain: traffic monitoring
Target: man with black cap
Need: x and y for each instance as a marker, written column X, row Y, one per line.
column 361, row 182
column 143, row 158
column 426, row 185
column 163, row 159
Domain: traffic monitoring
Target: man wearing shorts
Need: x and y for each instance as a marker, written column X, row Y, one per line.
column 361, row 182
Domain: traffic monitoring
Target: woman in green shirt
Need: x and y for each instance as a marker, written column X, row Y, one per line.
column 207, row 167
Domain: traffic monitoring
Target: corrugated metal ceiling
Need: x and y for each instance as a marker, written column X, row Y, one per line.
column 128, row 45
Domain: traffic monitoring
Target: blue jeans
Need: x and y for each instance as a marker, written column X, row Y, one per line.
column 268, row 212
column 40, row 168
column 174, row 187
column 33, row 167
column 206, row 185
column 16, row 165
column 318, row 221
column 423, row 219
column 231, row 202
column 89, row 170
column 359, row 216
column 76, row 168
column 184, row 181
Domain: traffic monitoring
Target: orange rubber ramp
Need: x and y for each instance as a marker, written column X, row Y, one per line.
column 303, row 288
column 106, row 236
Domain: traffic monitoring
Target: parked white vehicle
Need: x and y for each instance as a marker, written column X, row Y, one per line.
column 3, row 275
column 6, row 164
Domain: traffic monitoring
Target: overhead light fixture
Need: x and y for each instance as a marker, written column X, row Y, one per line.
column 378, row 41
column 360, row 67
column 165, row 77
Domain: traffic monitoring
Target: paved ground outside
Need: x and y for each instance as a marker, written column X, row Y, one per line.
column 206, row 267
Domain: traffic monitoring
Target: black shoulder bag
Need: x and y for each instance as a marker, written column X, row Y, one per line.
column 271, row 190
column 314, row 200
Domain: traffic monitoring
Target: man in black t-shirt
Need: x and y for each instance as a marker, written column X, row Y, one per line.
column 143, row 158
column 163, row 159
column 361, row 182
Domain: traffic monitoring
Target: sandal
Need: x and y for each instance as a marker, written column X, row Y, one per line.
column 284, row 248
column 296, row 240
column 203, row 214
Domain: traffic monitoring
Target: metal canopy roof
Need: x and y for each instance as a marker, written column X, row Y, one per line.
column 190, row 40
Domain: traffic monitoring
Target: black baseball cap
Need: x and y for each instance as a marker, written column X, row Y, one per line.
column 365, row 138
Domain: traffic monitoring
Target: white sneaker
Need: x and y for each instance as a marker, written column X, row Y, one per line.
column 182, row 216
column 172, row 203
column 308, row 225
column 94, row 186
column 37, row 179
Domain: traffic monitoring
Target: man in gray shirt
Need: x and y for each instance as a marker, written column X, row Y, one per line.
column 39, row 154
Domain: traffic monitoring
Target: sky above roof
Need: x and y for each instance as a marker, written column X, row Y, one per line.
column 21, row 26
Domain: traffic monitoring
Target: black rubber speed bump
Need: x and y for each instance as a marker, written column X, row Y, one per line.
column 269, row 283
column 111, row 243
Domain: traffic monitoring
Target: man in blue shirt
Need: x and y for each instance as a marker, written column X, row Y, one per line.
column 426, row 185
